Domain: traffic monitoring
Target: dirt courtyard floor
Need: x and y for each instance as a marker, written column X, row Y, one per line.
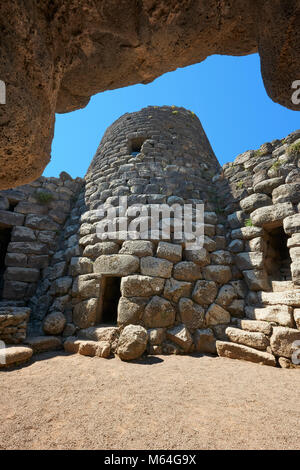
column 166, row 402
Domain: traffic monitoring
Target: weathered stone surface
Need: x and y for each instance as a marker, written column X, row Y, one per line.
column 205, row 292
column 256, row 279
column 267, row 186
column 297, row 317
column 217, row 273
column 240, row 28
column 285, row 341
column 255, row 326
column 94, row 348
column 61, row 286
column 292, row 224
column 141, row 286
column 174, row 289
column 254, row 201
column 205, row 341
column 151, row 266
column 187, row 271
column 14, row 355
column 43, row 343
column 217, row 315
column 159, row 313
column 116, row 265
column 287, row 193
column 156, row 336
column 86, row 286
column 246, row 233
column 181, row 336
column 40, row 222
column 80, row 265
column 54, row 323
column 137, row 248
column 280, row 314
column 222, row 257
column 272, row 216
column 132, row 342
column 236, row 308
column 239, row 351
column 226, row 295
column 284, row 298
column 200, row 256
column 84, row 313
column 250, row 260
column 248, row 338
column 22, row 274
column 8, row 219
column 130, row 310
column 101, row 248
column 169, row 251
column 192, row 315
column 100, row 333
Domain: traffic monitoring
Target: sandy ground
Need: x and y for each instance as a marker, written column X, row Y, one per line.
column 167, row 402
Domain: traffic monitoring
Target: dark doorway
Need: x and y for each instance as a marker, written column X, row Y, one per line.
column 112, row 294
column 278, row 259
column 5, row 236
column 135, row 146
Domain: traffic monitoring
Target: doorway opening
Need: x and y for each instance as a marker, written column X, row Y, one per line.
column 278, row 261
column 5, row 236
column 135, row 146
column 111, row 297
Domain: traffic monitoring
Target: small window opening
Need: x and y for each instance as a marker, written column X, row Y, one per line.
column 135, row 146
column 112, row 294
column 5, row 236
column 278, row 261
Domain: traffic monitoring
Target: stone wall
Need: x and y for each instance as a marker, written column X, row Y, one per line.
column 99, row 292
column 32, row 218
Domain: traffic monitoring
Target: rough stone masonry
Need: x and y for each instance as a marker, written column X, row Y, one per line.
column 238, row 296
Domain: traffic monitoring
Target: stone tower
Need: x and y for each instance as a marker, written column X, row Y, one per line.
column 79, row 268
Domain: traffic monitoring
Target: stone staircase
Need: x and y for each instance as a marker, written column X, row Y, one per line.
column 267, row 335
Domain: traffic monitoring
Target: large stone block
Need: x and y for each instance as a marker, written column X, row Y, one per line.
column 280, row 314
column 250, row 260
column 22, row 274
column 255, row 201
column 217, row 315
column 248, row 338
column 287, row 193
column 272, row 216
column 116, row 265
column 292, row 224
column 41, row 222
column 205, row 292
column 138, row 248
column 181, row 336
column 85, row 313
column 187, row 271
column 205, row 341
column 16, row 260
column 169, row 251
column 15, row 355
column 256, row 279
column 23, row 234
column 101, row 248
column 141, row 286
column 217, row 273
column 174, row 289
column 132, row 342
column 239, row 351
column 151, row 266
column 87, row 286
column 9, row 219
column 285, row 341
column 32, row 248
column 221, row 257
column 54, row 323
column 159, row 313
column 191, row 314
column 226, row 295
column 131, row 310
column 246, row 233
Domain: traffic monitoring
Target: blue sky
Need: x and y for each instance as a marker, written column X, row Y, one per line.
column 226, row 93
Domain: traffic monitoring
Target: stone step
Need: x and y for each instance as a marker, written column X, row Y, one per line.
column 290, row 297
column 86, row 347
column 248, row 338
column 14, row 355
column 43, row 343
column 239, row 351
column 282, row 286
column 100, row 333
column 280, row 314
column 258, row 326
